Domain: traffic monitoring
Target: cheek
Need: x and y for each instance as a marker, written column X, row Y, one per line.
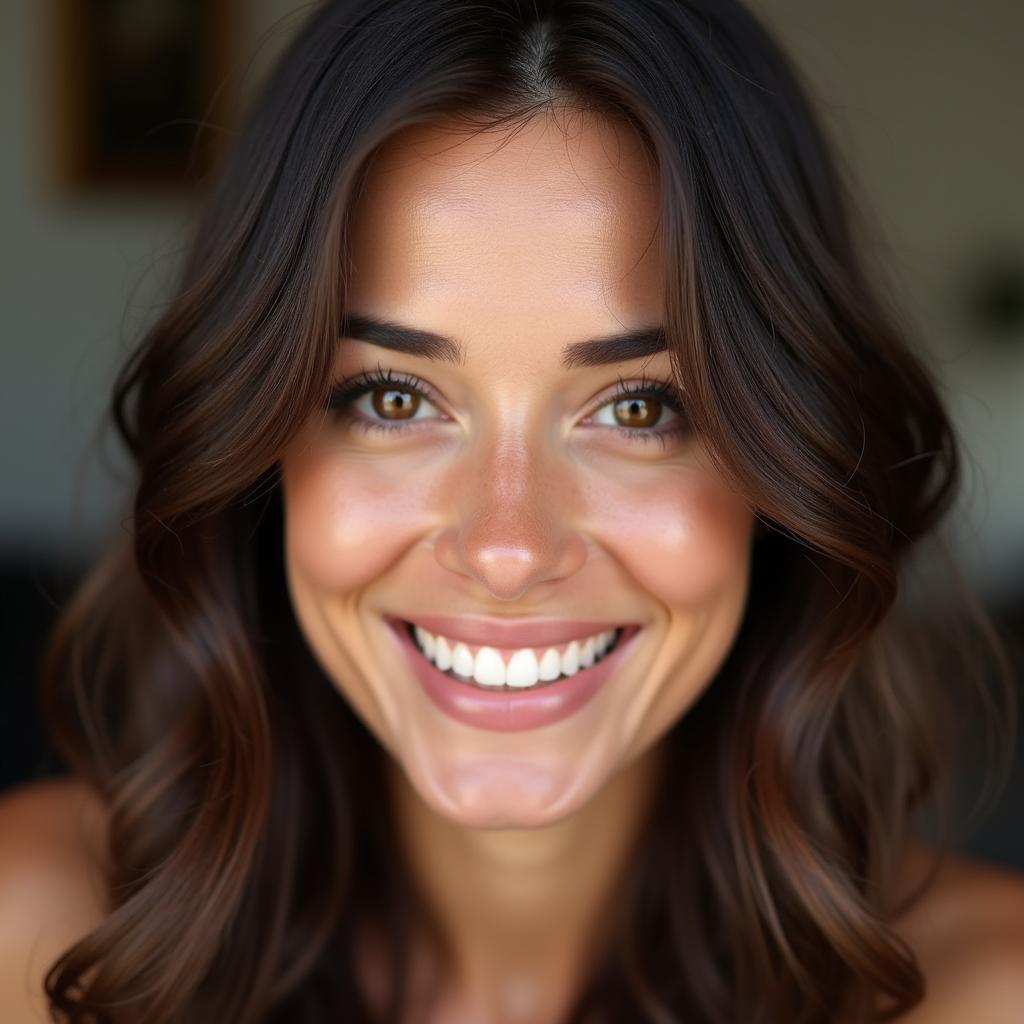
column 682, row 535
column 678, row 531
column 347, row 521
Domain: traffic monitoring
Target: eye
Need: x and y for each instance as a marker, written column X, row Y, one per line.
column 398, row 403
column 640, row 409
column 396, row 398
column 634, row 411
column 637, row 412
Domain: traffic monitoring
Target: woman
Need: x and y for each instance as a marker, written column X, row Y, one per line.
column 527, row 472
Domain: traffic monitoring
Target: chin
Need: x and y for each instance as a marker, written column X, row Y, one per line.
column 503, row 795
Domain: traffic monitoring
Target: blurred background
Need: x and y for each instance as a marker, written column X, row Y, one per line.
column 113, row 114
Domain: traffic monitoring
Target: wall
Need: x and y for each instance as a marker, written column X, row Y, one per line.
column 923, row 98
column 79, row 279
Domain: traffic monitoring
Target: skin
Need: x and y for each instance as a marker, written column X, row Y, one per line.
column 517, row 493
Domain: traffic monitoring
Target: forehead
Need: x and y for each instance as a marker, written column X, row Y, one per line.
column 560, row 212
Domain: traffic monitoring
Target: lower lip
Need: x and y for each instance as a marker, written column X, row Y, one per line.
column 506, row 710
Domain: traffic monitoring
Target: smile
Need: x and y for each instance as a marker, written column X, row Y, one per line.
column 503, row 706
column 512, row 668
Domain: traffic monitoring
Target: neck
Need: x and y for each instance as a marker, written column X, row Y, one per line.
column 523, row 912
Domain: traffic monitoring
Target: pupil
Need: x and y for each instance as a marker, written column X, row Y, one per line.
column 627, row 411
column 394, row 401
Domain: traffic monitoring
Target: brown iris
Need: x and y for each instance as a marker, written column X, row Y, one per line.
column 637, row 412
column 395, row 403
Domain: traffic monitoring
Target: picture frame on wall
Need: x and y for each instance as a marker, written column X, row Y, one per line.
column 140, row 91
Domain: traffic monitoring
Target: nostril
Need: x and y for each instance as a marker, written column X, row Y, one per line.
column 494, row 549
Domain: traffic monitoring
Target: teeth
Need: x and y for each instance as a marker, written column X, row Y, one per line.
column 571, row 659
column 488, row 668
column 462, row 661
column 550, row 665
column 524, row 669
column 426, row 641
column 442, row 654
column 588, row 652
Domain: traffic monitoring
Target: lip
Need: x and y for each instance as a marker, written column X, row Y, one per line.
column 523, row 632
column 506, row 710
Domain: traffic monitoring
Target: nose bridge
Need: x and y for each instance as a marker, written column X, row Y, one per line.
column 512, row 524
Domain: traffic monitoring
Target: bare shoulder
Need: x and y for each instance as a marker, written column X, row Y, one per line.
column 967, row 931
column 52, row 885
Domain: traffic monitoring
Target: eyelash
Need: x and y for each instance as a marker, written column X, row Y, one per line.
column 345, row 393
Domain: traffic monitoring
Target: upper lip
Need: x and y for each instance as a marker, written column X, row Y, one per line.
column 523, row 632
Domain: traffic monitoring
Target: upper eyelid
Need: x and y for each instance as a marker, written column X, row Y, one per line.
column 370, row 378
column 414, row 382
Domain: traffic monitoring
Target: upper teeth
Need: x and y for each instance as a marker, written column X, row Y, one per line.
column 525, row 666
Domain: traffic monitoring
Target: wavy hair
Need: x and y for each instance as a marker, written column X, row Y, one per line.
column 249, row 831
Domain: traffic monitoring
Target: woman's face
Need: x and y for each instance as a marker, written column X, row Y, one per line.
column 509, row 500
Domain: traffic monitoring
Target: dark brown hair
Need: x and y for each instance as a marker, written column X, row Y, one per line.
column 249, row 827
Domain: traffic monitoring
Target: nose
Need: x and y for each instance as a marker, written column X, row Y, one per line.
column 512, row 525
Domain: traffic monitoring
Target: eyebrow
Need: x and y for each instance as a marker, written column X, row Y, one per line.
column 610, row 348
